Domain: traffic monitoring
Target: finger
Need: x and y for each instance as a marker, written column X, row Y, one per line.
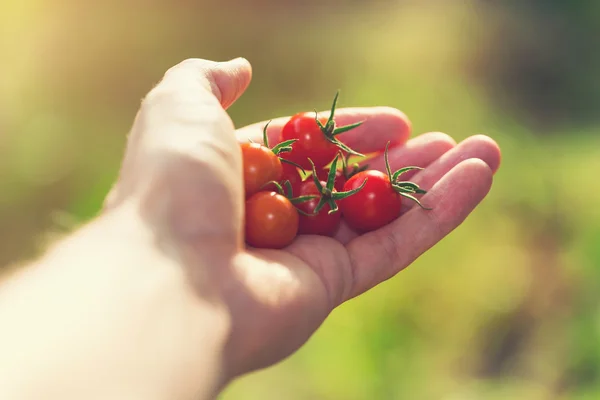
column 189, row 101
column 192, row 78
column 380, row 125
column 183, row 143
column 479, row 146
column 420, row 151
column 188, row 105
column 379, row 255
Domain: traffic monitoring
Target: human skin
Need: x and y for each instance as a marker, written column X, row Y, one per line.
column 158, row 297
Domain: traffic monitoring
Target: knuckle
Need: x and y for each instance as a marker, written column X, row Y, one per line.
column 185, row 106
column 183, row 82
column 159, row 94
column 193, row 64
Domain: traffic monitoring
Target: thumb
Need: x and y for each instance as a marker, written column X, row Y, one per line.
column 187, row 107
column 226, row 81
column 189, row 103
column 182, row 152
column 191, row 96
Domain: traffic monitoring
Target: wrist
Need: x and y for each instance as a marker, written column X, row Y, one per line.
column 111, row 313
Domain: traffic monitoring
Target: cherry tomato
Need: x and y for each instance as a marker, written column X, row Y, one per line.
column 376, row 205
column 271, row 221
column 291, row 174
column 311, row 141
column 261, row 165
column 340, row 179
column 323, row 223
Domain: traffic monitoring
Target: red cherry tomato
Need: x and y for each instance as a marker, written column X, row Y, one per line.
column 271, row 221
column 323, row 223
column 261, row 165
column 311, row 141
column 376, row 205
column 291, row 174
column 340, row 179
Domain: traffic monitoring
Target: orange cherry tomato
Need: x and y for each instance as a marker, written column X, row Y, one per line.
column 271, row 221
column 261, row 165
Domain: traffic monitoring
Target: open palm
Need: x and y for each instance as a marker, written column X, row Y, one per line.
column 183, row 170
column 297, row 287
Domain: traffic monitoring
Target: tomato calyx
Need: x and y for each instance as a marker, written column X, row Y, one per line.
column 328, row 193
column 403, row 188
column 286, row 191
column 330, row 130
column 350, row 170
column 283, row 147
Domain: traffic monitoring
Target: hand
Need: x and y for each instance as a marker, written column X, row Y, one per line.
column 183, row 166
column 159, row 298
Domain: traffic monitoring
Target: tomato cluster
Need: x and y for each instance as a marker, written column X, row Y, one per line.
column 296, row 187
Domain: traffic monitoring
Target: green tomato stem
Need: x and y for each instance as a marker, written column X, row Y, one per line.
column 403, row 188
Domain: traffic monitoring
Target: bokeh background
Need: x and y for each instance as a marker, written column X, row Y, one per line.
column 507, row 307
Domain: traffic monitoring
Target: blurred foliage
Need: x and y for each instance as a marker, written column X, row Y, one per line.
column 508, row 306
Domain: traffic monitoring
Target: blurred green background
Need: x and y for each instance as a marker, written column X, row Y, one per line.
column 507, row 307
